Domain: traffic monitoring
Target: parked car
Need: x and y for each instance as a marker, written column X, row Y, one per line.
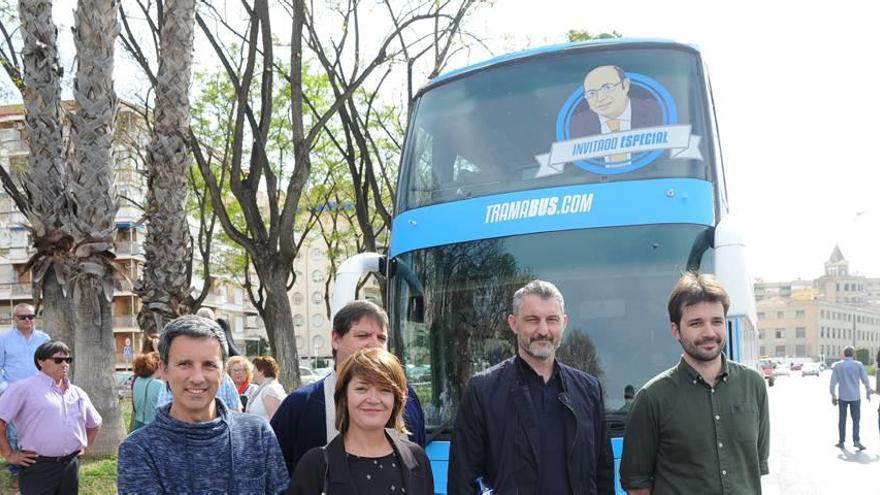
column 322, row 372
column 124, row 381
column 811, row 369
column 307, row 376
column 796, row 366
column 781, row 370
column 766, row 366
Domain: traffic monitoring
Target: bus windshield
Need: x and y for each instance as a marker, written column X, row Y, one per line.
column 449, row 305
column 548, row 120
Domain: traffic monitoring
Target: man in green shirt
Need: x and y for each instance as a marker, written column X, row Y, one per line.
column 702, row 426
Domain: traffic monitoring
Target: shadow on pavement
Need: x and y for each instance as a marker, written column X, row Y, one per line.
column 857, row 457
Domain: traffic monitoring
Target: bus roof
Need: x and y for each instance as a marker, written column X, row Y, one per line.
column 531, row 52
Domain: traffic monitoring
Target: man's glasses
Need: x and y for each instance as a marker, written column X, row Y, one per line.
column 25, row 317
column 604, row 89
column 59, row 360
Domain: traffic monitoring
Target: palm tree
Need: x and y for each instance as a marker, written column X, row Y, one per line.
column 43, row 181
column 93, row 206
column 168, row 252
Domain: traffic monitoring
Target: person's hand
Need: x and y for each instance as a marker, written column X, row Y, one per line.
column 868, row 396
column 834, row 401
column 23, row 458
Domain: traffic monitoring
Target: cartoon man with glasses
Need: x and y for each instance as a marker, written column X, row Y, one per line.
column 611, row 108
column 17, row 347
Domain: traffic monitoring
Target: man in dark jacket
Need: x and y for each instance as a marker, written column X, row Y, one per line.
column 306, row 418
column 532, row 425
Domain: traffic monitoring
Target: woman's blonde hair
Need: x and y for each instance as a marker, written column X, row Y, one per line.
column 378, row 367
column 243, row 361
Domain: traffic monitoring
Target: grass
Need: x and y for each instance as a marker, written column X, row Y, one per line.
column 96, row 476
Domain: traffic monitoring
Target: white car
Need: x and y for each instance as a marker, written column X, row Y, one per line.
column 781, row 370
column 307, row 376
column 811, row 369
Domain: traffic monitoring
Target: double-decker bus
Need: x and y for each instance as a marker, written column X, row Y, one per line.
column 595, row 166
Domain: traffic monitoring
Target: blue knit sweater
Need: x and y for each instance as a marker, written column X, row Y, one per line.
column 233, row 454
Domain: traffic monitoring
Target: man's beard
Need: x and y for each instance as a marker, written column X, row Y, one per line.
column 538, row 348
column 693, row 349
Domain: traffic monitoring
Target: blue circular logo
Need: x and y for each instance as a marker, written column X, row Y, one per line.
column 642, row 84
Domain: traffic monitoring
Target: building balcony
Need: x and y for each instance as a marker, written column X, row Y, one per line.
column 17, row 253
column 16, row 290
column 129, row 248
column 125, row 323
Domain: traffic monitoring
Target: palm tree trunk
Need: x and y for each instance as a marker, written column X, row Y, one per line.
column 94, row 205
column 168, row 250
column 44, row 179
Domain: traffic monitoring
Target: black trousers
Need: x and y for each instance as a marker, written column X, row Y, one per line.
column 50, row 476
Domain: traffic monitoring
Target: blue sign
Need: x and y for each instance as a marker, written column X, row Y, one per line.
column 582, row 206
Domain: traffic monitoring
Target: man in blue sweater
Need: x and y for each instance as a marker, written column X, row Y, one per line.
column 195, row 445
column 307, row 417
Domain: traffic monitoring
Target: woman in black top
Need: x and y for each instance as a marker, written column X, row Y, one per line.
column 371, row 455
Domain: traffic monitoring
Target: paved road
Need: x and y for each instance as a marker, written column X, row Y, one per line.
column 803, row 459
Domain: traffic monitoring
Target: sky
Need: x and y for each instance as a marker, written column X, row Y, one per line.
column 791, row 86
column 796, row 118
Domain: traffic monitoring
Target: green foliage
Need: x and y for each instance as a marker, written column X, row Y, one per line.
column 863, row 355
column 584, row 35
column 258, row 347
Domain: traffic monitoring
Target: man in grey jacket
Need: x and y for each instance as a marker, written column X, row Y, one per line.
column 195, row 445
column 846, row 376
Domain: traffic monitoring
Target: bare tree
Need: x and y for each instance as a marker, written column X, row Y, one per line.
column 369, row 136
column 165, row 283
column 93, row 208
column 258, row 198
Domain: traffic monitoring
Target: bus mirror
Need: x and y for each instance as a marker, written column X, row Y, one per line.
column 349, row 274
column 731, row 268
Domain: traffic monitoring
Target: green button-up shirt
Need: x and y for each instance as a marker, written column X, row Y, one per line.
column 687, row 437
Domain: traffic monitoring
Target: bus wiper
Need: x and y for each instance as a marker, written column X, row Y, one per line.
column 445, row 429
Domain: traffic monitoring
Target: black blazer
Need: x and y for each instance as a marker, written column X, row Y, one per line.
column 311, row 472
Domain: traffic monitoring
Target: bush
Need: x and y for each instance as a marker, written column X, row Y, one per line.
column 863, row 355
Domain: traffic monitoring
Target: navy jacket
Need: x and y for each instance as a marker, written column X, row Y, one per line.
column 495, row 418
column 301, row 421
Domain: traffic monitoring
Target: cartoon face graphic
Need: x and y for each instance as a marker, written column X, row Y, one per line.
column 606, row 90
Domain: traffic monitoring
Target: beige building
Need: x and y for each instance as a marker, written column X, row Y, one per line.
column 817, row 320
column 309, row 301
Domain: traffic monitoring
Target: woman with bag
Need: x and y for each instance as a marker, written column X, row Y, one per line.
column 145, row 389
column 371, row 453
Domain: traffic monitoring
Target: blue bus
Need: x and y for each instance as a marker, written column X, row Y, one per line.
column 595, row 166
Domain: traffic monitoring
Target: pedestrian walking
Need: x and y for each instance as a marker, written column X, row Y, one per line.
column 56, row 422
column 845, row 378
column 370, row 454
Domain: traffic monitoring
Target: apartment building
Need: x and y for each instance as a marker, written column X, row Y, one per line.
column 818, row 318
